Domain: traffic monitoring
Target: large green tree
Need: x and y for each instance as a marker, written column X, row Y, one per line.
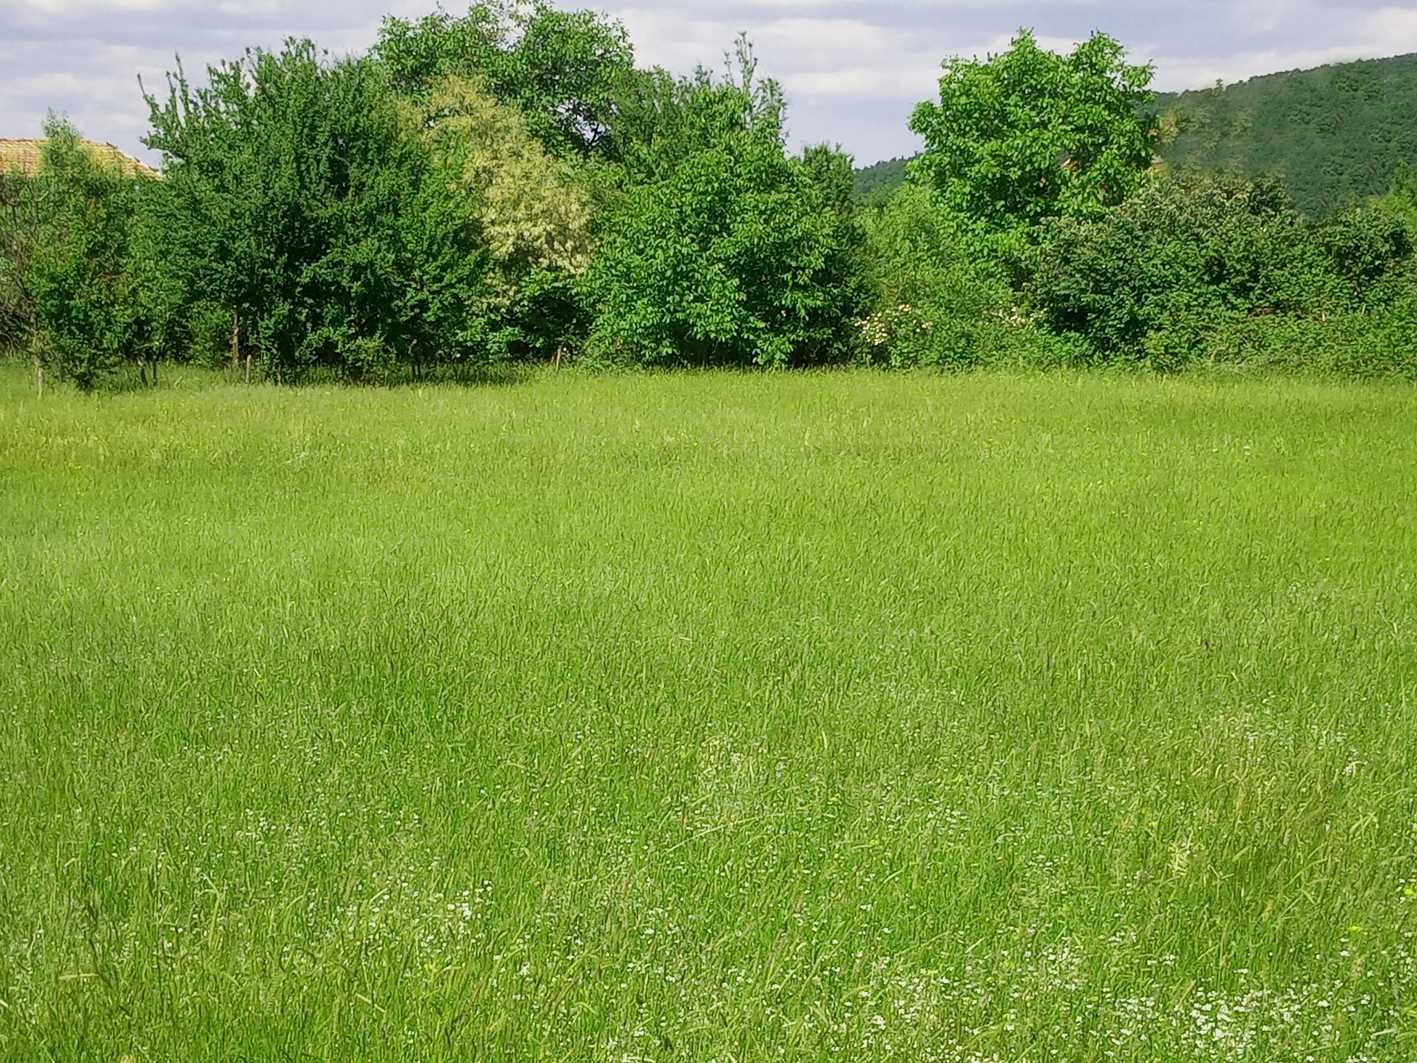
column 297, row 201
column 1029, row 134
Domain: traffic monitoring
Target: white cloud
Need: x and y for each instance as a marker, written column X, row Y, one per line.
column 853, row 69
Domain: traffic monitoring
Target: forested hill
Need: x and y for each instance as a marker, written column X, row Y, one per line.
column 1336, row 133
column 877, row 182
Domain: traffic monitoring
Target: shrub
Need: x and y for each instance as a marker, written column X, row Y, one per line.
column 936, row 302
column 1364, row 243
column 1146, row 282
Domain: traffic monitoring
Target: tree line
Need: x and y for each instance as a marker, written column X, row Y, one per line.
column 509, row 186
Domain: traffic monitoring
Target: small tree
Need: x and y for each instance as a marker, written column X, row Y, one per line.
column 88, row 319
column 1029, row 135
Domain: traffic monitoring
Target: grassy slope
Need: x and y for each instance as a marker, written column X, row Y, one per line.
column 703, row 716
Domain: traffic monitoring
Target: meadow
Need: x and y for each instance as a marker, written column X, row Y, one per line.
column 710, row 717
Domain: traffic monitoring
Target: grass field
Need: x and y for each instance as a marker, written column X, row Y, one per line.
column 710, row 717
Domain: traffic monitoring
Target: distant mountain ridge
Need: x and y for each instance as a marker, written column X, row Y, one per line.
column 1335, row 133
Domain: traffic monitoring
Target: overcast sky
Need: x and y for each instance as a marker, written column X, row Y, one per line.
column 853, row 69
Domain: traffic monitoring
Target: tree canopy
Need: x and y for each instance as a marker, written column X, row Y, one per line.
column 1029, row 134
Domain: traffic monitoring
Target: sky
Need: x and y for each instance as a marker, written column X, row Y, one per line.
column 853, row 69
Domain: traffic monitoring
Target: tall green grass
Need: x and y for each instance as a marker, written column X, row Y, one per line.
column 710, row 717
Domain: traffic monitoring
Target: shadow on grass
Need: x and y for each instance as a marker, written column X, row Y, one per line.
column 178, row 376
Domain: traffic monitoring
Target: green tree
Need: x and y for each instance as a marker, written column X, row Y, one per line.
column 1401, row 197
column 534, row 215
column 87, row 313
column 661, row 120
column 1029, row 135
column 722, row 249
column 297, row 201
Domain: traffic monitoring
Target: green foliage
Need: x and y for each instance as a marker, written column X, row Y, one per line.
column 1364, row 244
column 296, row 199
column 937, row 303
column 19, row 231
column 1374, row 341
column 1400, row 198
column 562, row 69
column 722, row 250
column 90, row 314
column 1147, row 281
column 1030, row 135
column 533, row 213
column 663, row 121
column 1335, row 134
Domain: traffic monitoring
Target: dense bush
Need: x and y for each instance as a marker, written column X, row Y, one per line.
column 1148, row 280
column 1366, row 343
column 936, row 302
column 1363, row 245
column 722, row 249
column 533, row 216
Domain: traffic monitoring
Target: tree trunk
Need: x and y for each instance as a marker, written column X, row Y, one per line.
column 39, row 376
column 235, row 341
column 248, row 367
